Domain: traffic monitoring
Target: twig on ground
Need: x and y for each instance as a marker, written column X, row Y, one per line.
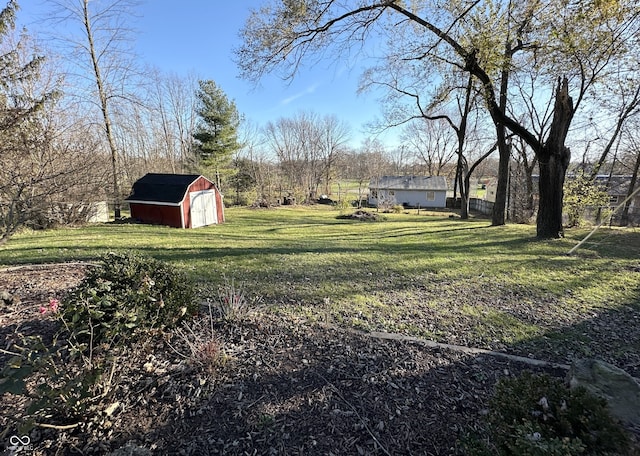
column 366, row 426
column 62, row 427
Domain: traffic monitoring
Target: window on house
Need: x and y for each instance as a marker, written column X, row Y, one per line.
column 431, row 195
column 613, row 199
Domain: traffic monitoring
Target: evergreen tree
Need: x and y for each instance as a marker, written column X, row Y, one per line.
column 216, row 133
column 27, row 175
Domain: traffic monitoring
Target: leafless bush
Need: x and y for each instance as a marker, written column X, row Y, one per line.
column 204, row 348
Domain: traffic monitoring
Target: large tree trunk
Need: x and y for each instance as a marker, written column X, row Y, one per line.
column 498, row 214
column 553, row 161
column 464, row 195
column 552, row 172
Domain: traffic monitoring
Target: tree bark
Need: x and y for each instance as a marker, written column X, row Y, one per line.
column 498, row 214
column 553, row 161
column 463, row 168
column 465, row 190
column 463, row 182
column 104, row 107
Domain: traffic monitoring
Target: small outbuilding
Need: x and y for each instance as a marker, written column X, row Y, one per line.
column 409, row 191
column 178, row 200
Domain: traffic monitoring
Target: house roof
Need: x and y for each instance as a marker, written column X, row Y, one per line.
column 168, row 188
column 616, row 184
column 409, row 183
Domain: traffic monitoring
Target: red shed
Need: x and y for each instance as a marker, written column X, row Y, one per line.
column 178, row 200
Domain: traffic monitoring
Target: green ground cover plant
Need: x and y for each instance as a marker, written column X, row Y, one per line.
column 124, row 298
column 538, row 415
column 427, row 275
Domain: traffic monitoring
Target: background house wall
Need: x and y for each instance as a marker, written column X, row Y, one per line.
column 409, row 191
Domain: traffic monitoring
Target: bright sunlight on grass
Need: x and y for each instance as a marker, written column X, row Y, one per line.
column 423, row 275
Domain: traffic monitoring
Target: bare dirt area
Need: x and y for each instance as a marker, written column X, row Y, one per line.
column 268, row 384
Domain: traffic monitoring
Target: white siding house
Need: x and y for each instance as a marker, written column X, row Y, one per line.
column 409, row 191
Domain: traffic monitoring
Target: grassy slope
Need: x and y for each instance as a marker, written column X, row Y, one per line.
column 456, row 281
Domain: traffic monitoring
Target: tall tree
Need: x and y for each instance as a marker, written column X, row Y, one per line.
column 308, row 147
column 432, row 142
column 27, row 171
column 216, row 131
column 571, row 42
column 95, row 36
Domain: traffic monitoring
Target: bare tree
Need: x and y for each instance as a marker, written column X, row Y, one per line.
column 333, row 135
column 98, row 32
column 622, row 99
column 572, row 43
column 632, row 164
column 157, row 130
column 50, row 172
column 374, row 163
column 307, row 147
column 432, row 142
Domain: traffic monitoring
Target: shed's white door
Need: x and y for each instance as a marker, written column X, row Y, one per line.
column 203, row 208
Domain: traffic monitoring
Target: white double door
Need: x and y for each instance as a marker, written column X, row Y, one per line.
column 203, row 208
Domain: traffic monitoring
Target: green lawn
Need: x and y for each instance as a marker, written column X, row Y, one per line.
column 452, row 280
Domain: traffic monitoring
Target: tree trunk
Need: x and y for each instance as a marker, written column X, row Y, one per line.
column 553, row 161
column 464, row 196
column 457, row 183
column 498, row 214
column 504, row 153
column 624, row 221
column 462, row 171
column 105, row 110
column 529, row 205
column 552, row 172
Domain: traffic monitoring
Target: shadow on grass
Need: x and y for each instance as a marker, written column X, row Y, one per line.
column 308, row 389
column 314, row 390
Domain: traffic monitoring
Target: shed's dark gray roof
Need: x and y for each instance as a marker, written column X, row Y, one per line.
column 409, row 183
column 168, row 188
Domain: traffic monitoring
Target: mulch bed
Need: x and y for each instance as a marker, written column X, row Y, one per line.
column 275, row 386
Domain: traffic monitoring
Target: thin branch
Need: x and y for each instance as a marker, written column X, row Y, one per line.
column 364, row 423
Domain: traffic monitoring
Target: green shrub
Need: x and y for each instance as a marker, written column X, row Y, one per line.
column 125, row 296
column 537, row 415
column 343, row 205
column 581, row 193
column 51, row 388
column 397, row 209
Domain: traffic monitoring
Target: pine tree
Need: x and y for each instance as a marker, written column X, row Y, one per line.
column 26, row 174
column 216, row 133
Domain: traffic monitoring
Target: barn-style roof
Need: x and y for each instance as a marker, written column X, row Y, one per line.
column 167, row 188
column 409, row 183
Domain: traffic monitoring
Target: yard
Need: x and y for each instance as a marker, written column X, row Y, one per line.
column 302, row 373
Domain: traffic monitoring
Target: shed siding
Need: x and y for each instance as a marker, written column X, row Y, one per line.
column 198, row 185
column 416, row 198
column 156, row 214
column 220, row 207
column 170, row 204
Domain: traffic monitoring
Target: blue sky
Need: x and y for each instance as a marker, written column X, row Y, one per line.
column 198, row 36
